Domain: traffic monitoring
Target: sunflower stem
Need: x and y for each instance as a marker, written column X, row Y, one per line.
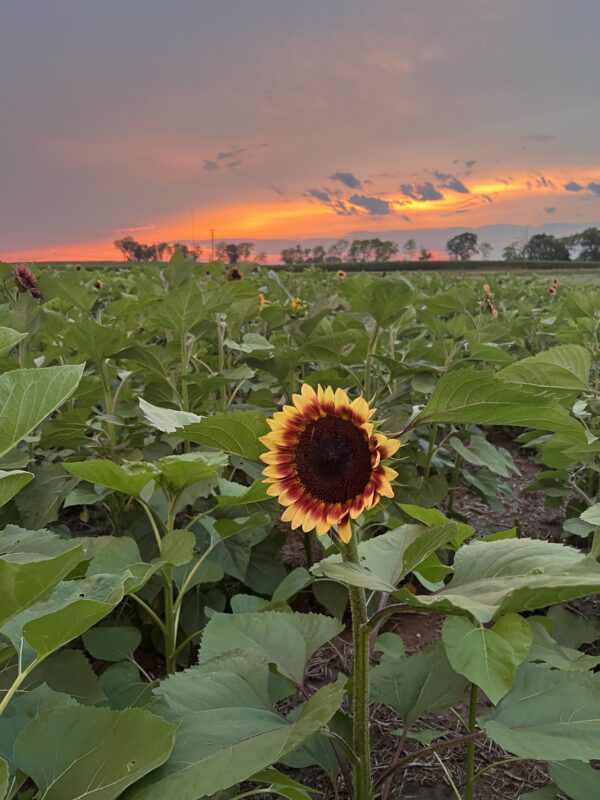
column 363, row 788
column 308, row 549
column 369, row 360
column 470, row 762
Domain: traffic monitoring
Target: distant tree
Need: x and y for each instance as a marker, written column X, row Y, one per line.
column 462, row 246
column 587, row 243
column 513, row 252
column 232, row 253
column 363, row 251
column 135, row 251
column 545, row 247
column 425, row 254
column 409, row 249
column 336, row 254
column 187, row 251
column 295, row 255
column 485, row 248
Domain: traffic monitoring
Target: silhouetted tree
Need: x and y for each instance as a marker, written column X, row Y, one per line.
column 513, row 252
column 425, row 254
column 462, row 246
column 485, row 248
column 587, row 244
column 232, row 253
column 135, row 251
column 409, row 248
column 545, row 247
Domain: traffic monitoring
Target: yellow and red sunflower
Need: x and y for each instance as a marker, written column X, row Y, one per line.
column 324, row 461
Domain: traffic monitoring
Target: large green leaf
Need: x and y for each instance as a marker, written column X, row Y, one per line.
column 546, row 650
column 76, row 753
column 9, row 338
column 472, row 396
column 129, row 479
column 561, row 371
column 386, row 559
column 28, row 396
column 493, row 578
column 287, row 640
column 94, row 341
column 548, row 715
column 227, row 729
column 167, row 420
column 180, row 471
column 69, row 610
column 578, row 780
column 488, row 657
column 3, row 778
column 112, row 643
column 418, row 684
column 31, row 565
column 236, row 433
column 12, row 482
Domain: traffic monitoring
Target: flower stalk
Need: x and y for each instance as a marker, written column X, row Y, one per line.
column 361, row 745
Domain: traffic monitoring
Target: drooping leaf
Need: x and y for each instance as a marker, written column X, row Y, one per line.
column 111, row 642
column 493, row 578
column 561, row 371
column 29, row 575
column 12, row 482
column 578, row 780
column 418, row 684
column 28, row 396
column 488, row 657
column 227, row 729
column 76, row 753
column 236, row 433
column 386, row 559
column 9, row 338
column 167, row 420
column 129, row 479
column 548, row 715
column 287, row 640
column 471, row 396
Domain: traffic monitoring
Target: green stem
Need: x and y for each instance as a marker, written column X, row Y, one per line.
column 470, row 761
column 108, row 405
column 170, row 630
column 10, row 693
column 151, row 613
column 221, row 355
column 361, row 745
column 369, row 360
column 431, row 450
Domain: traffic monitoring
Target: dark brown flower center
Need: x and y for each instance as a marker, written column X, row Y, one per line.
column 333, row 460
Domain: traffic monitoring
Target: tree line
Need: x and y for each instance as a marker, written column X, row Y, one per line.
column 582, row 246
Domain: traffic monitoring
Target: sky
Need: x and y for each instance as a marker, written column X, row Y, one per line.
column 280, row 121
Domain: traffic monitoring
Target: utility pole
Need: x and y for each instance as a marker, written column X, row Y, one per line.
column 212, row 244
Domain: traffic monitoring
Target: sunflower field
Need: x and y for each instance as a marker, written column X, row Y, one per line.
column 302, row 535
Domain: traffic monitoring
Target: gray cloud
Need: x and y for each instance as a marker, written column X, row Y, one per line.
column 550, row 209
column 451, row 182
column 347, row 178
column 209, row 165
column 422, row 191
column 319, row 194
column 573, row 186
column 374, row 205
column 594, row 187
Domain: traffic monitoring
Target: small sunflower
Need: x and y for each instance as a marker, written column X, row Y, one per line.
column 26, row 281
column 296, row 304
column 341, row 274
column 324, row 460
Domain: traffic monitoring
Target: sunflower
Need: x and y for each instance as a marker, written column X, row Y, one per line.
column 26, row 281
column 324, row 460
column 341, row 274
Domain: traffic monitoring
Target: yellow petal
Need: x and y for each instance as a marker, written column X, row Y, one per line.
column 387, row 447
column 361, row 408
column 389, row 473
column 345, row 530
column 341, row 400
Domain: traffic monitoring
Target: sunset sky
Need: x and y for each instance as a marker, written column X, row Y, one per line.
column 292, row 119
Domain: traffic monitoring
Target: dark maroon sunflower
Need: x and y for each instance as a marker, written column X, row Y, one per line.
column 26, row 281
column 234, row 275
column 324, row 460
